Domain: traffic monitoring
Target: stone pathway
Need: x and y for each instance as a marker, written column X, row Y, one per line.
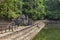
column 26, row 33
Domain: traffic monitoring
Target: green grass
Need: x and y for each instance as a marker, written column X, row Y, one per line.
column 48, row 34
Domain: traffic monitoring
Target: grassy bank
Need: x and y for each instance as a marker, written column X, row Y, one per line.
column 48, row 34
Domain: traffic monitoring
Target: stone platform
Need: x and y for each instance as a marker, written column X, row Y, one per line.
column 26, row 33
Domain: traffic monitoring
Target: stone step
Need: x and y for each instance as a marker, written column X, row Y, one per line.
column 24, row 34
column 14, row 34
column 35, row 32
column 29, row 35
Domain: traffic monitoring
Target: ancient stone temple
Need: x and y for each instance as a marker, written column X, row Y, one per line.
column 24, row 20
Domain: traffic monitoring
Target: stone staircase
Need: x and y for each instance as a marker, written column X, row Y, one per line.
column 24, row 34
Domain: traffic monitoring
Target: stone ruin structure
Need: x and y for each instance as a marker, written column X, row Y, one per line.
column 23, row 20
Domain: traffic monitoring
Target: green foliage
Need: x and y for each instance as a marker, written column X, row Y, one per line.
column 10, row 8
column 35, row 9
column 52, row 9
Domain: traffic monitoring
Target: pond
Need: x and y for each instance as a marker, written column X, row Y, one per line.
column 50, row 32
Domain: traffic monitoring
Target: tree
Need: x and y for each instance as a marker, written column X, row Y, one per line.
column 35, row 9
column 10, row 8
column 52, row 9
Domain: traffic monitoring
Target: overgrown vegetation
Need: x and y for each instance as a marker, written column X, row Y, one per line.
column 35, row 9
column 51, row 32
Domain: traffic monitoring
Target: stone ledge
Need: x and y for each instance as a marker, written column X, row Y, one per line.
column 26, row 34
